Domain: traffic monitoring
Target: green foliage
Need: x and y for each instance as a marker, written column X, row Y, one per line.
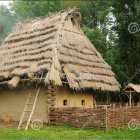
column 26, row 9
column 7, row 21
column 96, row 37
column 95, row 12
column 128, row 43
column 69, row 3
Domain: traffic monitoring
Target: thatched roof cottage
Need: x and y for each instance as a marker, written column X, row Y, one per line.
column 54, row 51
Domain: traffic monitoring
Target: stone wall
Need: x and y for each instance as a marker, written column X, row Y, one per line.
column 99, row 118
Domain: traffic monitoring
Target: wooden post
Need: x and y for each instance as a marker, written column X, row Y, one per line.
column 108, row 98
column 48, row 103
column 120, row 105
column 126, row 105
column 130, row 99
column 138, row 104
column 113, row 106
column 106, row 118
column 51, row 97
column 129, row 95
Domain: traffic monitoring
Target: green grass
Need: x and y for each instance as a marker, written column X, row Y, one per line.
column 68, row 133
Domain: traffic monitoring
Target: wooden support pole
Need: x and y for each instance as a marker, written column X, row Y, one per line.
column 51, row 97
column 138, row 104
column 130, row 99
column 107, row 99
column 26, row 80
column 120, row 105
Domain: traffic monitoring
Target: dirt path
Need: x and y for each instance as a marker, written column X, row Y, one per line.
column 12, row 125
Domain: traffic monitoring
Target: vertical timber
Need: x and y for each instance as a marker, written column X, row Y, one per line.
column 51, row 99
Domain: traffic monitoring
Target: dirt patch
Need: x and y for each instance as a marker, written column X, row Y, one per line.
column 10, row 125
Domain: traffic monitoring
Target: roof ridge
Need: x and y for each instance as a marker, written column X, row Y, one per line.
column 49, row 14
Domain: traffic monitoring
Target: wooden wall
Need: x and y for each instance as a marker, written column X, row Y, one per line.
column 99, row 118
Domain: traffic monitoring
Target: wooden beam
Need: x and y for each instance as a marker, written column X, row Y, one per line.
column 21, row 80
column 6, row 82
column 129, row 91
column 130, row 99
column 2, row 83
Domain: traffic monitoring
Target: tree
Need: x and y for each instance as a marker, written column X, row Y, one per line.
column 94, row 22
column 126, row 13
column 26, row 9
column 7, row 21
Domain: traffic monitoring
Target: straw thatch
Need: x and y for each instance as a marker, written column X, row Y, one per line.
column 132, row 87
column 14, row 81
column 56, row 45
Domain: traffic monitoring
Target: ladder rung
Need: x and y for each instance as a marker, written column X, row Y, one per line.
column 34, row 91
column 32, row 98
column 25, row 118
column 28, row 110
column 23, row 122
column 29, row 103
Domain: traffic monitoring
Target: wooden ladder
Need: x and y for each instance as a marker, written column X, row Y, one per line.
column 28, row 109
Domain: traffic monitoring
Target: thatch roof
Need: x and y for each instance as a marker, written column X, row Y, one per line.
column 55, row 46
column 132, row 87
